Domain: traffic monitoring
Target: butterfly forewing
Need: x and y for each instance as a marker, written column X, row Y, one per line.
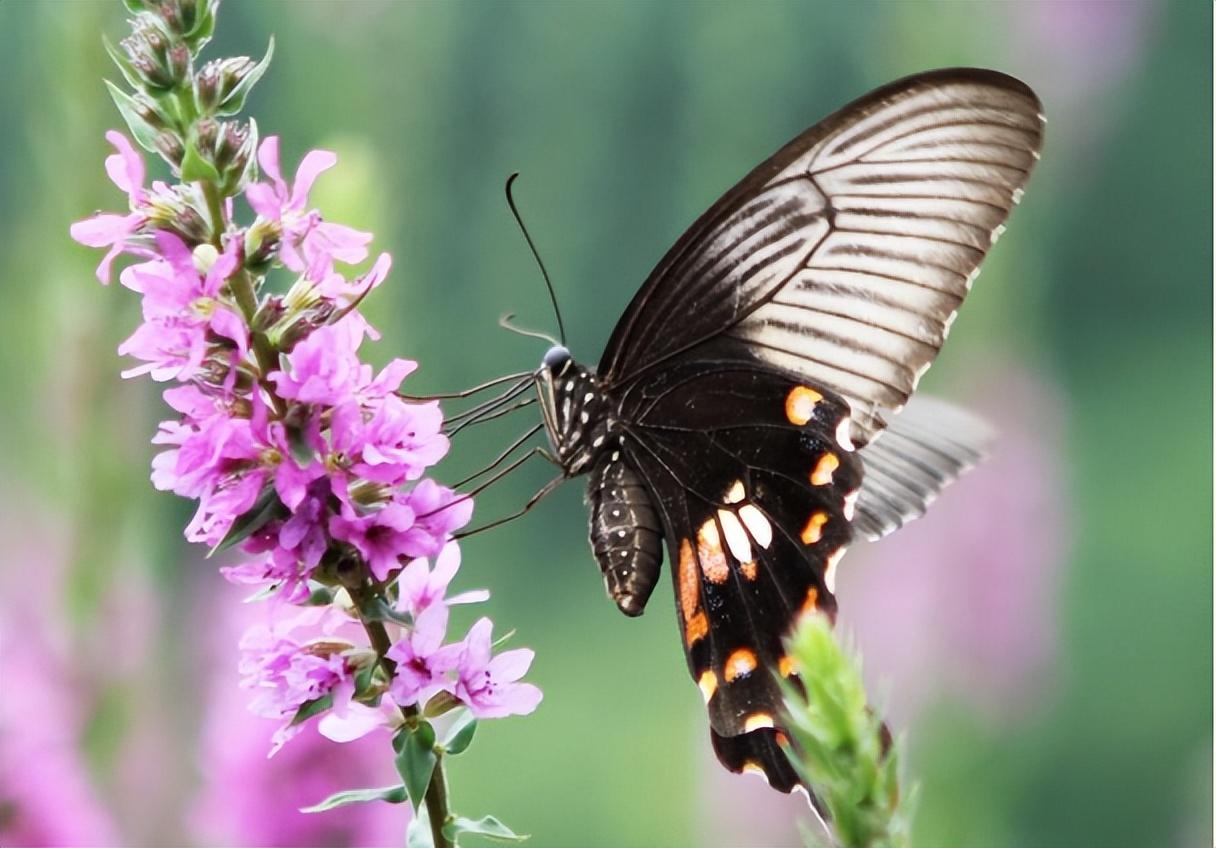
column 844, row 258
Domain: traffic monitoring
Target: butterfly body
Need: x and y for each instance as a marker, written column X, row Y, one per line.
column 748, row 415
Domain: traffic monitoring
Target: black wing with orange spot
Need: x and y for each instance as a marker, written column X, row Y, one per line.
column 754, row 491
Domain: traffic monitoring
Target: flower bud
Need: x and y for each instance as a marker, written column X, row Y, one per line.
column 269, row 313
column 204, row 257
column 179, row 63
column 169, row 146
column 262, row 242
column 206, row 131
column 148, row 49
column 219, row 79
column 232, row 148
column 169, row 210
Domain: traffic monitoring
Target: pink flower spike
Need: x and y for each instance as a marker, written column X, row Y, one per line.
column 487, row 685
column 126, row 168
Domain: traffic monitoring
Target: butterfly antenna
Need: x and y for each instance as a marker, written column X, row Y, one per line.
column 561, row 327
column 506, row 324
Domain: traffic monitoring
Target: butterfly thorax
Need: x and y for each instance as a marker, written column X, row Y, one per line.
column 579, row 417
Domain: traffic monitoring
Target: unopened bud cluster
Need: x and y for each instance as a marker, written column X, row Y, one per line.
column 178, row 109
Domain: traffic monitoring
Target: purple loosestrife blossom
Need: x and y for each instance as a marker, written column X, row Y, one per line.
column 488, row 684
column 297, row 452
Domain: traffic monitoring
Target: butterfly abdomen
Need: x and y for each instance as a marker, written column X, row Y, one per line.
column 625, row 533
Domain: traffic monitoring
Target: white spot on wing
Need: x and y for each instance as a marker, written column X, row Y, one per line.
column 850, row 503
column 735, row 493
column 757, row 525
column 829, row 571
column 736, row 536
column 843, row 434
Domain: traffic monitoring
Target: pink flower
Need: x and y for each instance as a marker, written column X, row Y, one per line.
column 126, row 170
column 423, row 661
column 286, row 674
column 309, row 244
column 382, row 536
column 180, row 308
column 439, row 511
column 324, row 367
column 420, row 587
column 487, row 684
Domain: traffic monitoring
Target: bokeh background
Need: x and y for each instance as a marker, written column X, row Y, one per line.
column 1042, row 640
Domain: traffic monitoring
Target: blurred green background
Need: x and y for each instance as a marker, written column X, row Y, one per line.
column 1088, row 337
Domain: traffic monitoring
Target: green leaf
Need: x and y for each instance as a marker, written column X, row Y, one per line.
column 320, row 596
column 377, row 608
column 235, row 101
column 195, row 167
column 391, row 794
column 204, row 27
column 128, row 71
column 144, row 133
column 460, row 734
column 265, row 508
column 487, row 826
column 416, row 761
column 311, row 708
column 134, row 6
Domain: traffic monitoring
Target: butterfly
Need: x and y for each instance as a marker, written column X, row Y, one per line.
column 750, row 415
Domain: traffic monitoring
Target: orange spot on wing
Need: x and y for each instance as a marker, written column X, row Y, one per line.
column 757, row 721
column 695, row 629
column 785, row 666
column 749, row 569
column 690, row 584
column 740, row 663
column 824, row 468
column 811, row 603
column 813, row 531
column 709, row 551
column 800, row 404
column 709, row 684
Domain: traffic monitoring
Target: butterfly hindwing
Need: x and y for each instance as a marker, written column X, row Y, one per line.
column 754, row 492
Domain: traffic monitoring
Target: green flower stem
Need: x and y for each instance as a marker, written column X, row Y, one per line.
column 241, row 286
column 437, row 789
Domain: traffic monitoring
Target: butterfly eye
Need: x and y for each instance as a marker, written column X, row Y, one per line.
column 556, row 359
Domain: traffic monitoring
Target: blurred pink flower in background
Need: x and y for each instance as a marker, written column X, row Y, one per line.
column 46, row 700
column 245, row 798
column 961, row 603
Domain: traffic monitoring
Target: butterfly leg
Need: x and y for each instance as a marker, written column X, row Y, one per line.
column 540, row 495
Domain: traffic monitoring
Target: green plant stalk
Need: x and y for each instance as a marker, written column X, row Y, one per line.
column 437, row 790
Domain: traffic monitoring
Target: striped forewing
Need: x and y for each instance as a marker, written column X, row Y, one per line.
column 843, row 259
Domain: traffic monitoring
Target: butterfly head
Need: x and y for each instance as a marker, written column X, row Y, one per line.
column 576, row 412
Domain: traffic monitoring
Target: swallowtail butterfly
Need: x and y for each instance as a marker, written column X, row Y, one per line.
column 751, row 412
